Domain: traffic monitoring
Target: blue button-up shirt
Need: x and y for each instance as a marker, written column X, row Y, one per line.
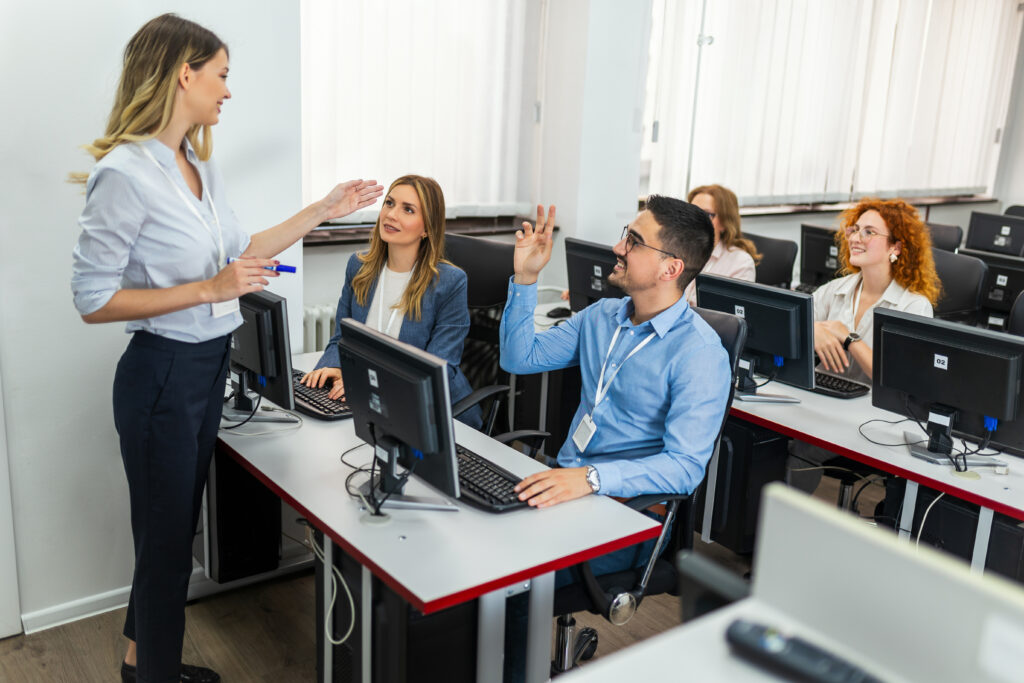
column 137, row 233
column 657, row 425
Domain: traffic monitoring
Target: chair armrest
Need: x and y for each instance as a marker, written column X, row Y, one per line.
column 533, row 438
column 646, row 501
column 712, row 577
column 478, row 396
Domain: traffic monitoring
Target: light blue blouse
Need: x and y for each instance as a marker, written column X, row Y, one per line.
column 139, row 233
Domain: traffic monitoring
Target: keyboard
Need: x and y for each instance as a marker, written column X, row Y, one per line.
column 314, row 402
column 839, row 387
column 805, row 288
column 484, row 484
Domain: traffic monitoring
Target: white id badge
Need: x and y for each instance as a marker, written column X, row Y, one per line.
column 584, row 433
column 223, row 308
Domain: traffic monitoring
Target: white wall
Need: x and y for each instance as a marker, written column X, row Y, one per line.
column 70, row 501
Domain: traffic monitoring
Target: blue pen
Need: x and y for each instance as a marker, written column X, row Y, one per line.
column 281, row 268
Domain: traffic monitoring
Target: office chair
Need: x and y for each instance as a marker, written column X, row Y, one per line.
column 1014, row 210
column 616, row 596
column 946, row 237
column 963, row 280
column 1015, row 325
column 778, row 257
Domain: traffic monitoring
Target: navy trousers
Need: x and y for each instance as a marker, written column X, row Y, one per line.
column 168, row 397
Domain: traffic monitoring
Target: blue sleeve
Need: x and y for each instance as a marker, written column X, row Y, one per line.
column 451, row 320
column 331, row 358
column 523, row 351
column 111, row 222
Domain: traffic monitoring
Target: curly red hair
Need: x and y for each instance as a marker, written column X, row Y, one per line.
column 914, row 270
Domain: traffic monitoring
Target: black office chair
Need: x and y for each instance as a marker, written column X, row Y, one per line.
column 946, row 237
column 1014, row 210
column 963, row 280
column 778, row 257
column 616, row 596
column 1015, row 325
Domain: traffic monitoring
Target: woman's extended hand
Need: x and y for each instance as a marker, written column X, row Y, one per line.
column 323, row 377
column 239, row 277
column 351, row 196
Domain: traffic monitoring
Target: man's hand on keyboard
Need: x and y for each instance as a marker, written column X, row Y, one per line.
column 551, row 487
column 324, row 377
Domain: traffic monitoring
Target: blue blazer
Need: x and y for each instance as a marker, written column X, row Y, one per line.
column 441, row 329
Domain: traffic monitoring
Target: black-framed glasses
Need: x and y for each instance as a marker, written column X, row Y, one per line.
column 633, row 239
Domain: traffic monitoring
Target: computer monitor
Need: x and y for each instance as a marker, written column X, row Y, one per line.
column 996, row 232
column 819, row 255
column 261, row 359
column 780, row 331
column 960, row 380
column 588, row 265
column 1005, row 280
column 401, row 406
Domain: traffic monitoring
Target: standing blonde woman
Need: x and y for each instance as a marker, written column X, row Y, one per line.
column 156, row 235
column 733, row 256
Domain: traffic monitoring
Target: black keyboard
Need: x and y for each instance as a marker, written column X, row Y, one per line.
column 314, row 402
column 840, row 387
column 484, row 484
column 805, row 288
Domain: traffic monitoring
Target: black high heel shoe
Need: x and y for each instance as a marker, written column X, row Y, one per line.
column 189, row 674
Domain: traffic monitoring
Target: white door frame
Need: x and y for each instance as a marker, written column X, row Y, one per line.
column 10, row 606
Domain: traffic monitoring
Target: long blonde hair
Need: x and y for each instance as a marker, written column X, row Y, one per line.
column 149, row 83
column 727, row 209
column 430, row 255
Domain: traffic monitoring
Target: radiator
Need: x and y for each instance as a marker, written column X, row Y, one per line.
column 317, row 327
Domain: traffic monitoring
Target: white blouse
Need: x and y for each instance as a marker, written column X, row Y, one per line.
column 384, row 314
column 732, row 262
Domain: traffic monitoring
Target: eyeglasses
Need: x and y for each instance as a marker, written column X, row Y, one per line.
column 633, row 239
column 866, row 233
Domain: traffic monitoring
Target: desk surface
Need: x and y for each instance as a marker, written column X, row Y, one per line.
column 433, row 559
column 832, row 423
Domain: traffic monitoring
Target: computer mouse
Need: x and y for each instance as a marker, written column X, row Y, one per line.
column 559, row 312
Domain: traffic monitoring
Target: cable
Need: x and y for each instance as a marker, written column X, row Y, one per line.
column 921, row 528
column 335, row 578
column 868, row 481
column 768, row 380
column 259, row 399
column 860, row 430
column 348, row 464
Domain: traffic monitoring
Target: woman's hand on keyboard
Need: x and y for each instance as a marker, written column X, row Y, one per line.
column 829, row 346
column 324, row 377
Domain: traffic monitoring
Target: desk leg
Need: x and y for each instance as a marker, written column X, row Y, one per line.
column 538, row 643
column 709, row 495
column 909, row 502
column 328, row 656
column 981, row 538
column 490, row 637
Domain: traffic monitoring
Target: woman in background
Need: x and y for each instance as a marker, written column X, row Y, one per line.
column 156, row 235
column 405, row 288
column 733, row 256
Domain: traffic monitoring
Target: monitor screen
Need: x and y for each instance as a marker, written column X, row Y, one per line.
column 780, row 326
column 400, row 405
column 588, row 266
column 819, row 255
column 996, row 232
column 261, row 356
column 924, row 366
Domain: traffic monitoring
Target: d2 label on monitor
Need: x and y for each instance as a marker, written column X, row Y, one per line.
column 941, row 362
column 741, row 311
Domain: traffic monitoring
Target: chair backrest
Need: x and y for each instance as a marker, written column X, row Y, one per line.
column 488, row 267
column 778, row 257
column 963, row 279
column 1015, row 325
column 732, row 330
column 1014, row 210
column 946, row 237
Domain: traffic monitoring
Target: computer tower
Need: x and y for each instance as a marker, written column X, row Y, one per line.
column 952, row 526
column 749, row 458
column 406, row 645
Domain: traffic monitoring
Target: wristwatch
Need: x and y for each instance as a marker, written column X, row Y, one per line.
column 593, row 479
column 853, row 337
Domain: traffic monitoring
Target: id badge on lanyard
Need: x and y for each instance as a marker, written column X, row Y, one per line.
column 221, row 308
column 587, row 428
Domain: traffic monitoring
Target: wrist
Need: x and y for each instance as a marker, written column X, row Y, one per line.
column 204, row 291
column 525, row 279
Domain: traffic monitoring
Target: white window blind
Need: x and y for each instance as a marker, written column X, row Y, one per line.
column 397, row 87
column 828, row 100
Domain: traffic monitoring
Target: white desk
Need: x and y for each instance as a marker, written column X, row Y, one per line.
column 832, row 424
column 438, row 559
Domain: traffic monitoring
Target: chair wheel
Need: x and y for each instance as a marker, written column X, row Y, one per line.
column 586, row 645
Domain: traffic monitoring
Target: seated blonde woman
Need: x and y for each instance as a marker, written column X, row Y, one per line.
column 733, row 256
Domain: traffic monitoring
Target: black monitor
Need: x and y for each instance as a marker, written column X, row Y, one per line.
column 588, row 266
column 401, row 406
column 780, row 331
column 819, row 255
column 996, row 232
column 261, row 359
column 960, row 380
column 1005, row 280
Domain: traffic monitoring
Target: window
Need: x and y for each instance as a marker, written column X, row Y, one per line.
column 397, row 87
column 828, row 101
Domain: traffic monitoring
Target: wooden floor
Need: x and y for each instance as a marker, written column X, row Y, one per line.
column 265, row 632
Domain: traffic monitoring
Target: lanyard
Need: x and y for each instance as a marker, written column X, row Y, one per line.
column 219, row 237
column 602, row 388
column 380, row 308
column 856, row 305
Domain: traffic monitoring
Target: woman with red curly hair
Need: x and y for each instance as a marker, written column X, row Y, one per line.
column 885, row 248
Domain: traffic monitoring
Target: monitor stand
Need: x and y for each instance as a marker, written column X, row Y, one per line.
column 244, row 405
column 388, row 450
column 919, row 450
column 746, row 389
